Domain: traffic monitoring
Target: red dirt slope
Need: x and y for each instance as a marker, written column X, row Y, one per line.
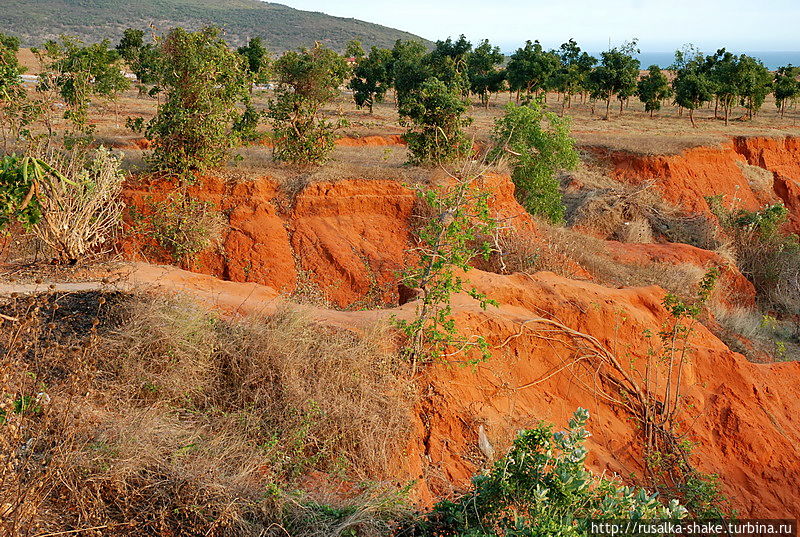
column 745, row 416
column 685, row 179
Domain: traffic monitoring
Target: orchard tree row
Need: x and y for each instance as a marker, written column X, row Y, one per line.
column 204, row 89
column 483, row 71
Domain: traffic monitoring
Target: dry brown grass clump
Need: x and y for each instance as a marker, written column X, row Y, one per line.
column 632, row 213
column 759, row 179
column 143, row 416
column 758, row 336
column 346, row 163
column 516, row 251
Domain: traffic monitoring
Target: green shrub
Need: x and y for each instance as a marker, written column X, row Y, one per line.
column 433, row 115
column 17, row 201
column 542, row 488
column 180, row 225
column 538, row 144
column 764, row 254
column 203, row 80
column 307, row 80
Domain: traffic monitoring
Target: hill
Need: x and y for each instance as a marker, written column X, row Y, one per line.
column 282, row 27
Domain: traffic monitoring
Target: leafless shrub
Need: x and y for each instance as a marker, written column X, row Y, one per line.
column 81, row 212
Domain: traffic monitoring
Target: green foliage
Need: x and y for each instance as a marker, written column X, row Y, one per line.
column 246, row 126
column 653, row 88
column 616, row 75
column 483, row 68
column 203, row 80
column 354, row 50
column 10, row 69
column 307, row 80
column 539, row 144
column 18, row 202
column 754, row 82
column 433, row 115
column 79, row 72
column 20, row 179
column 448, row 242
column 257, row 60
column 372, row 77
column 741, row 79
column 692, row 87
column 530, row 68
column 141, row 57
column 17, row 110
column 786, row 86
column 408, row 70
column 542, row 488
column 180, row 225
column 572, row 76
column 448, row 62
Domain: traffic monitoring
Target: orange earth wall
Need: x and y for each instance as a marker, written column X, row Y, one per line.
column 350, row 237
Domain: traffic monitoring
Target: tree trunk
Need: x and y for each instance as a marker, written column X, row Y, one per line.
column 691, row 117
column 608, row 106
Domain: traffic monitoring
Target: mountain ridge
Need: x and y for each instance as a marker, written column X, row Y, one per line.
column 280, row 26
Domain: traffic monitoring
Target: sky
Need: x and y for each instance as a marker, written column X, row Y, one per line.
column 661, row 26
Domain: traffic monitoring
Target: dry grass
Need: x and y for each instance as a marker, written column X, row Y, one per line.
column 521, row 252
column 760, row 337
column 346, row 163
column 632, row 213
column 80, row 205
column 592, row 255
column 153, row 417
column 759, row 179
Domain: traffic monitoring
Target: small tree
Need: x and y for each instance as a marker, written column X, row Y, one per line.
column 17, row 110
column 616, row 75
column 692, row 88
column 257, row 65
column 787, row 88
column 573, row 74
column 257, row 60
column 372, row 78
column 203, row 80
column 530, row 68
column 755, row 83
column 354, row 50
column 653, row 88
column 539, row 144
column 141, row 57
column 447, row 243
column 79, row 72
column 483, row 68
column 307, row 80
column 433, row 114
column 408, row 70
column 448, row 61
